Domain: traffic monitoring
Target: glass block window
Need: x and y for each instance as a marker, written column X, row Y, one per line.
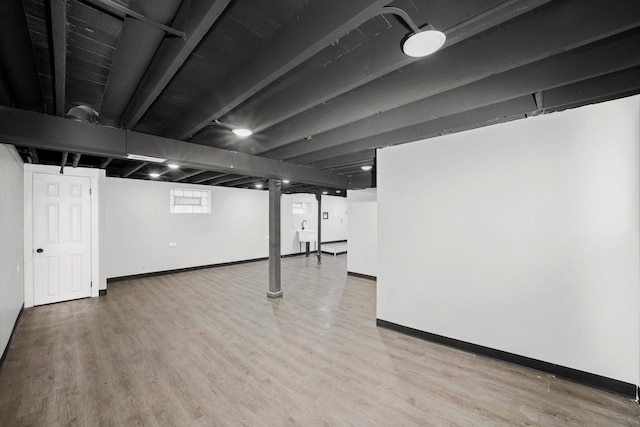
column 300, row 207
column 190, row 201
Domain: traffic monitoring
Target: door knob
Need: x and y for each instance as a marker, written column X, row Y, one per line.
column 39, row 250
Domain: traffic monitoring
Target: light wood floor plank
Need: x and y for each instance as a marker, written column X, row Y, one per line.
column 207, row 348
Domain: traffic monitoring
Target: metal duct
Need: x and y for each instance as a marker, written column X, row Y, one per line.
column 83, row 113
column 17, row 61
column 138, row 45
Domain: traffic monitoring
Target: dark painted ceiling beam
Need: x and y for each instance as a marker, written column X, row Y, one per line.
column 17, row 61
column 54, row 133
column 130, row 171
column 138, row 44
column 5, row 95
column 320, row 24
column 361, row 181
column 187, row 175
column 241, row 182
column 349, row 159
column 76, row 160
column 58, row 16
column 222, row 179
column 527, row 40
column 106, row 162
column 493, row 114
column 195, row 18
column 585, row 63
column 611, row 86
column 366, row 63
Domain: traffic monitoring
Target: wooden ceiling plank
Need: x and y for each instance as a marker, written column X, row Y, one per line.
column 318, row 26
column 195, row 18
column 527, row 40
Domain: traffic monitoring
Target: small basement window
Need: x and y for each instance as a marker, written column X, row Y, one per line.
column 300, row 208
column 190, row 201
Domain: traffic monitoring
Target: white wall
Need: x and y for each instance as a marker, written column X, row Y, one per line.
column 140, row 228
column 362, row 242
column 334, row 228
column 11, row 238
column 521, row 237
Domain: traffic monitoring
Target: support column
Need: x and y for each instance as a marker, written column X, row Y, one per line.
column 319, row 199
column 275, row 187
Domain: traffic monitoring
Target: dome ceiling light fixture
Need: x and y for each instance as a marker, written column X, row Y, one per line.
column 423, row 42
column 236, row 130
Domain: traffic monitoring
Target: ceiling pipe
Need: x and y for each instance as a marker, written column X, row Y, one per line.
column 138, row 44
column 17, row 60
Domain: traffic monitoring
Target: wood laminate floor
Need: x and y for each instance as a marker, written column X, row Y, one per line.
column 207, row 348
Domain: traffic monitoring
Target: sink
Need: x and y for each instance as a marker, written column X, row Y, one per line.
column 307, row 235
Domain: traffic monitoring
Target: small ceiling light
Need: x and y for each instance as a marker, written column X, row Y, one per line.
column 236, row 130
column 338, row 191
column 285, row 181
column 145, row 158
column 366, row 167
column 154, row 175
column 258, row 185
column 242, row 132
column 422, row 42
column 325, row 192
column 173, row 166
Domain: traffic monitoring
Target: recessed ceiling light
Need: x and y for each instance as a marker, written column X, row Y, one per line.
column 258, row 185
column 173, row 166
column 338, row 191
column 285, row 181
column 242, row 132
column 325, row 192
column 366, row 167
column 154, row 175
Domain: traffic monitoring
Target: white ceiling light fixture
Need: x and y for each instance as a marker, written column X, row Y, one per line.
column 154, row 175
column 258, row 185
column 236, row 130
column 173, row 166
column 285, row 181
column 366, row 167
column 145, row 158
column 423, row 42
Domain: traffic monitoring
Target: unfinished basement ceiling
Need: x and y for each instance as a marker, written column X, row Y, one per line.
column 322, row 83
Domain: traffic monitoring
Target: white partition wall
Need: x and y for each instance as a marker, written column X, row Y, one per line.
column 363, row 232
column 521, row 237
column 11, row 238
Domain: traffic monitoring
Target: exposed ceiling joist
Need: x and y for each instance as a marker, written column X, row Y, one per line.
column 317, row 27
column 346, row 73
column 106, row 162
column 559, row 70
column 16, row 57
column 349, row 159
column 130, row 171
column 462, row 64
column 138, row 44
column 493, row 114
column 195, row 18
column 58, row 10
column 76, row 160
column 54, row 133
column 187, row 175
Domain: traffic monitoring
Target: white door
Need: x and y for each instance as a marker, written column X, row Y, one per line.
column 61, row 238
